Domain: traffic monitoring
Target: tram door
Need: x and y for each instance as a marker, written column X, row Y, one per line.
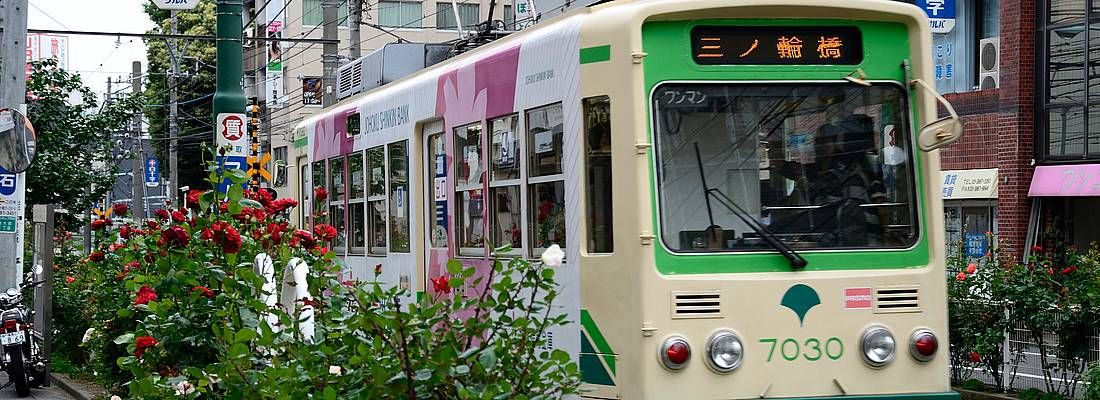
column 435, row 196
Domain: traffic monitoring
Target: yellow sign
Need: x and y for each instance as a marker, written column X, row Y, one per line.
column 829, row 47
column 259, row 167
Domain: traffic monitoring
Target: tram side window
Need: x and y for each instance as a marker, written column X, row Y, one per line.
column 352, row 125
column 376, row 200
column 597, row 128
column 318, row 180
column 505, row 204
column 399, row 196
column 469, row 216
column 356, row 195
column 546, row 183
column 336, row 200
column 438, row 186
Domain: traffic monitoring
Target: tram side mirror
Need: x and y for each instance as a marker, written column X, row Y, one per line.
column 17, row 141
column 940, row 132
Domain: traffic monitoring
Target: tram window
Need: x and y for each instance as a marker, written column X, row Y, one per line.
column 376, row 200
column 544, row 148
column 505, row 203
column 821, row 166
column 597, row 127
column 469, row 216
column 318, row 180
column 399, row 197
column 352, row 125
column 356, row 195
column 336, row 207
column 437, row 175
column 547, row 210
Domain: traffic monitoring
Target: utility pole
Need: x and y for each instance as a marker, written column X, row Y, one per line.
column 13, row 94
column 229, row 101
column 329, row 55
column 173, row 126
column 138, row 166
column 355, row 12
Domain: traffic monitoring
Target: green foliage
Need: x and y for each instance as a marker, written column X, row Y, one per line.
column 973, row 384
column 196, row 81
column 182, row 317
column 976, row 312
column 74, row 148
column 1092, row 382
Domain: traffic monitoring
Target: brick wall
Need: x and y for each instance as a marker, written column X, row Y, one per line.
column 999, row 124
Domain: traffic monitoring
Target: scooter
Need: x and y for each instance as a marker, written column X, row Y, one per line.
column 22, row 349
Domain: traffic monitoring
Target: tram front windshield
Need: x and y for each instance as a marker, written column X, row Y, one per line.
column 817, row 165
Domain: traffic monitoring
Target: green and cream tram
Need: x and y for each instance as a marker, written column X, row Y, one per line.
column 746, row 191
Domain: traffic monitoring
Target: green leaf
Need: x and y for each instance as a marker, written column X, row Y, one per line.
column 250, row 203
column 329, row 393
column 244, row 335
column 488, row 359
column 454, row 267
column 124, row 338
column 423, row 374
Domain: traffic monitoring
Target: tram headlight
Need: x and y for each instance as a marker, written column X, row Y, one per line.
column 724, row 351
column 878, row 346
column 675, row 352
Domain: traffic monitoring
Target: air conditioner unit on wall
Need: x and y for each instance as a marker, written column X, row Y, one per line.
column 989, row 63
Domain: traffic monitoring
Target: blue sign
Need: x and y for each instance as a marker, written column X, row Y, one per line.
column 941, row 14
column 152, row 172
column 7, row 182
column 975, row 245
column 231, row 162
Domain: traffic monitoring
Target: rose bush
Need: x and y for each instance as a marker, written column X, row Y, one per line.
column 175, row 310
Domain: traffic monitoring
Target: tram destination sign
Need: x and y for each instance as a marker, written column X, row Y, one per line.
column 775, row 45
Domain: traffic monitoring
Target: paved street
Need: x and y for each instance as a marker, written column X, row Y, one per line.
column 53, row 392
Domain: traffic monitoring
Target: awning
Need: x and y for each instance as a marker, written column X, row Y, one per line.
column 969, row 184
column 1066, row 180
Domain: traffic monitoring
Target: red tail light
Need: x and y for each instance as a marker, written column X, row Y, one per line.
column 923, row 345
column 675, row 352
column 10, row 325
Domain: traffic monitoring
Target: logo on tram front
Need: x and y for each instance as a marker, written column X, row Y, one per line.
column 800, row 299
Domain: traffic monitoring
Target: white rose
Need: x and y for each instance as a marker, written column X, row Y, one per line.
column 334, row 369
column 88, row 335
column 552, row 256
column 116, row 398
column 184, row 388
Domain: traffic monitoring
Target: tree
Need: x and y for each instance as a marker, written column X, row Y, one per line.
column 195, row 88
column 74, row 148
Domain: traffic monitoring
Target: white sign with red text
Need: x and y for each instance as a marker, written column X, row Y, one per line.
column 230, row 131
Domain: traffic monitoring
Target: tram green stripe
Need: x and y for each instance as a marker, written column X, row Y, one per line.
column 596, row 54
column 597, row 337
column 300, row 142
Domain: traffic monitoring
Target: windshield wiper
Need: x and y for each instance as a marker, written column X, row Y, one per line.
column 797, row 262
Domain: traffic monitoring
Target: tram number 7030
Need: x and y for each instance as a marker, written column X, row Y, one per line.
column 811, row 349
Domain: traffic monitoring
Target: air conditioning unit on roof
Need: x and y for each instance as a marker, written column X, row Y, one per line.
column 989, row 63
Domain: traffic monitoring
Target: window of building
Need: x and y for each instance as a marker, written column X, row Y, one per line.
column 546, row 183
column 280, row 158
column 469, row 216
column 356, row 196
column 437, row 175
column 400, row 14
column 351, row 125
column 311, row 12
column 445, row 16
column 509, row 17
column 505, row 203
column 1069, row 114
column 597, row 129
column 399, row 196
column 376, row 200
column 336, row 202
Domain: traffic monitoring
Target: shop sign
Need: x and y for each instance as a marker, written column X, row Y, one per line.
column 969, row 184
column 1066, row 180
column 975, row 245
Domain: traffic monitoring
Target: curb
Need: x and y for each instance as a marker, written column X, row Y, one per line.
column 71, row 388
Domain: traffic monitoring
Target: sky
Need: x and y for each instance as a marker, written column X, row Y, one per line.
column 96, row 58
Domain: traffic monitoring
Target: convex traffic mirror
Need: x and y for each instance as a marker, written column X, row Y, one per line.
column 17, row 141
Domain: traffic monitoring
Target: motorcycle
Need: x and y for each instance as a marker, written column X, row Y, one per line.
column 21, row 348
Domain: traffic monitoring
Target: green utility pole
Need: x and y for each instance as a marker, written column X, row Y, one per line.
column 229, row 100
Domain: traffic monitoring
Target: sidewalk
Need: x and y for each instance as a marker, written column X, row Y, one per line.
column 54, row 392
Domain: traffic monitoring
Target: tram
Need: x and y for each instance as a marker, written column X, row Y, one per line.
column 746, row 191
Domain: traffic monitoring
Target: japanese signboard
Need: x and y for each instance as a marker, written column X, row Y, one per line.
column 152, row 172
column 312, row 91
column 969, row 184
column 769, row 45
column 231, row 133
column 276, row 14
column 941, row 14
column 1066, row 180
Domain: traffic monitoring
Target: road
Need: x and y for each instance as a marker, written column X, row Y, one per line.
column 49, row 393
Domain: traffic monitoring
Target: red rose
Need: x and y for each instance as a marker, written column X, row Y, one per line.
column 1036, row 248
column 151, row 224
column 324, row 232
column 142, row 343
column 115, row 246
column 207, row 234
column 131, row 266
column 1069, row 270
column 441, row 284
column 120, row 209
column 144, row 295
column 260, row 195
column 204, row 291
column 305, row 239
column 97, row 256
column 178, row 216
column 232, row 242
column 175, row 237
column 975, row 357
column 193, row 198
column 124, row 232
column 161, row 213
column 320, row 194
column 961, row 276
column 281, row 205
column 972, row 268
column 69, row 279
column 378, row 269
column 100, row 224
